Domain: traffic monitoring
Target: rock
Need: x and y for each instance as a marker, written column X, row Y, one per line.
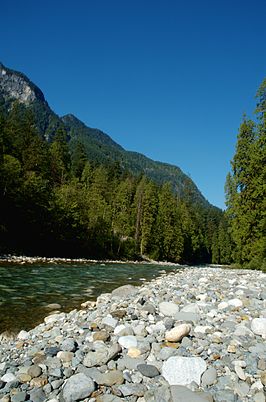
column 34, row 371
column 179, row 370
column 258, row 326
column 8, row 377
column 119, row 313
column 240, row 373
column 65, row 356
column 23, row 378
column 124, row 291
column 263, row 378
column 109, row 321
column 53, row 306
column 38, row 382
column 235, row 303
column 77, row 387
column 69, row 345
column 148, row 370
column 112, row 378
column 209, row 377
column 259, row 397
column 168, row 309
column 19, row 396
column 128, row 341
column 134, row 352
column 177, row 333
column 23, row 335
column 132, row 389
column 191, row 308
column 101, row 336
column 187, row 316
column 37, row 395
column 184, row 394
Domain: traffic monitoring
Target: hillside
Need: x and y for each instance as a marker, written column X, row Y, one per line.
column 99, row 147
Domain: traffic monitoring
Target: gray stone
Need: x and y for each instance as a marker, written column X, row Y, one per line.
column 187, row 316
column 111, row 378
column 108, row 398
column 168, row 309
column 37, row 395
column 184, row 394
column 179, row 370
column 148, row 370
column 209, row 377
column 124, row 291
column 19, row 397
column 69, row 345
column 77, row 387
column 132, row 389
column 8, row 377
column 34, row 371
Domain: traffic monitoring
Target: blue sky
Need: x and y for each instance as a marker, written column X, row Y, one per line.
column 169, row 79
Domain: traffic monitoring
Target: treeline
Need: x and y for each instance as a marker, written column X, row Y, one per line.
column 54, row 202
column 246, row 189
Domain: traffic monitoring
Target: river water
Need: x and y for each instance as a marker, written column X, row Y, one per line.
column 26, row 290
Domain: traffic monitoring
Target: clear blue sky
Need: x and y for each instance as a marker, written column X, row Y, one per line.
column 169, row 79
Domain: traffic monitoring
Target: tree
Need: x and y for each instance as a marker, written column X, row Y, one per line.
column 246, row 189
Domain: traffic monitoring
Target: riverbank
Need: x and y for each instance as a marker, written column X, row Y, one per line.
column 13, row 259
column 195, row 335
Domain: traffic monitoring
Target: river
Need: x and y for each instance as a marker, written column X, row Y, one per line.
column 26, row 290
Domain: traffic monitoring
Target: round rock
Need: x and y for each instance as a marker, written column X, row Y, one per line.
column 77, row 387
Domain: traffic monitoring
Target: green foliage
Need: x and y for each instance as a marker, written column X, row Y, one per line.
column 57, row 198
column 246, row 189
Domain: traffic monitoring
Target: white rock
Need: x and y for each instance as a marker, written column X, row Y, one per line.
column 201, row 329
column 222, row 305
column 235, row 303
column 53, row 318
column 128, row 341
column 22, row 335
column 168, row 309
column 191, row 308
column 258, row 326
column 240, row 372
column 110, row 321
column 177, row 333
column 119, row 328
column 179, row 370
column 8, row 377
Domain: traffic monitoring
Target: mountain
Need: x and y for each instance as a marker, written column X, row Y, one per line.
column 99, row 146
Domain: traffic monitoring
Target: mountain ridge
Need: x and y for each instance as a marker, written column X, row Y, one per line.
column 99, row 146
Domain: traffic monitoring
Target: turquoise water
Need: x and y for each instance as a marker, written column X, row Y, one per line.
column 26, row 290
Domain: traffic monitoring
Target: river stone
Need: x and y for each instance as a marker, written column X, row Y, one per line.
column 109, row 321
column 209, row 377
column 111, row 378
column 148, row 370
column 108, row 398
column 186, row 316
column 18, row 396
column 179, row 370
column 34, row 371
column 8, row 377
column 23, row 335
column 177, row 333
column 258, row 326
column 159, row 394
column 168, row 309
column 191, row 308
column 128, row 341
column 77, row 387
column 235, row 303
column 37, row 395
column 65, row 356
column 184, row 394
column 69, row 345
column 96, row 358
column 124, row 291
column 132, row 389
column 53, row 306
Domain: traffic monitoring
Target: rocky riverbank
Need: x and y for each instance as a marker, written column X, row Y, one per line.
column 196, row 335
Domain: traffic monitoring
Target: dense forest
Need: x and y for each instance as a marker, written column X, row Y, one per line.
column 68, row 190
column 246, row 189
column 56, row 202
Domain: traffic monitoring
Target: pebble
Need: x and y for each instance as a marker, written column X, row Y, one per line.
column 196, row 335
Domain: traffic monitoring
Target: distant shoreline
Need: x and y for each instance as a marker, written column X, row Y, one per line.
column 61, row 260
